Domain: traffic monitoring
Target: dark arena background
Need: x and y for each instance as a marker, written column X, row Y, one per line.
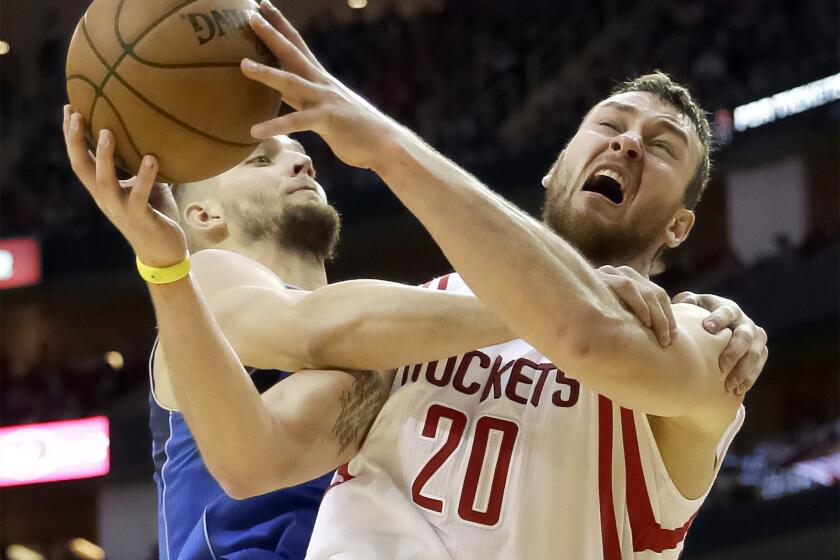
column 499, row 87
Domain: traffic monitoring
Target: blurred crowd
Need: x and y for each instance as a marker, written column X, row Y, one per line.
column 52, row 390
column 477, row 79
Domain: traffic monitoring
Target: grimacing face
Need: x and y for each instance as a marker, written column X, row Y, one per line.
column 615, row 192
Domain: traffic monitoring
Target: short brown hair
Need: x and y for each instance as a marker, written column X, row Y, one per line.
column 678, row 96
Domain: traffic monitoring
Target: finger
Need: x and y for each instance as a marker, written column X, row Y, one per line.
column 77, row 151
column 759, row 348
column 685, row 297
column 628, row 294
column 299, row 121
column 724, row 316
column 632, row 298
column 297, row 92
column 289, row 56
column 662, row 317
column 107, row 184
column 279, row 22
column 665, row 303
column 658, row 318
column 739, row 345
column 748, row 370
column 138, row 199
column 65, row 123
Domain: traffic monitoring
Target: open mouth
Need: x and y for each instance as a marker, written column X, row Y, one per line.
column 608, row 184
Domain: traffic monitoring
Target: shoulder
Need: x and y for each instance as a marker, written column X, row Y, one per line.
column 217, row 270
column 689, row 320
column 719, row 406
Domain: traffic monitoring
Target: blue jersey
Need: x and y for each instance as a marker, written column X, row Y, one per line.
column 197, row 520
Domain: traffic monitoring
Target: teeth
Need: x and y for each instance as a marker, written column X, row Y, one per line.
column 612, row 175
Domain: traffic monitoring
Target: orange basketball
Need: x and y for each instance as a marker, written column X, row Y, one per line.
column 163, row 76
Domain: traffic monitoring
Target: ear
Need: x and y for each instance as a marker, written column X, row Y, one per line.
column 679, row 228
column 205, row 217
column 545, row 181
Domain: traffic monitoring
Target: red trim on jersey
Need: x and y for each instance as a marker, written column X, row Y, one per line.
column 342, row 475
column 647, row 533
column 609, row 530
column 444, row 281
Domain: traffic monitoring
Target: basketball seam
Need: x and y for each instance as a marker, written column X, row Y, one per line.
column 128, row 48
column 112, row 71
column 107, row 100
column 128, row 52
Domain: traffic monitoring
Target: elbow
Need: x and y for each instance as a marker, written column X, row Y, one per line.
column 243, row 483
column 234, row 480
column 237, row 489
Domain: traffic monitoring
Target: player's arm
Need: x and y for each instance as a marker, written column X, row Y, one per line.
column 300, row 429
column 531, row 279
column 358, row 324
column 550, row 295
column 368, row 324
column 303, row 429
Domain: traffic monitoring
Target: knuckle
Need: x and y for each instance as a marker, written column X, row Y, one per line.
column 624, row 283
column 726, row 311
column 649, row 295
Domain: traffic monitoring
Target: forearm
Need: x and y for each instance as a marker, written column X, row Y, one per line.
column 359, row 324
column 217, row 398
column 378, row 325
column 530, row 278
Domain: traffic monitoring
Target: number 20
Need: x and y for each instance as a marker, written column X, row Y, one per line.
column 475, row 464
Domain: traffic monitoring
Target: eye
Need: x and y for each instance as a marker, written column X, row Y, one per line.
column 610, row 125
column 663, row 146
column 260, row 160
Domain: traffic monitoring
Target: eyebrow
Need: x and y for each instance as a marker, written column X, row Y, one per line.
column 662, row 120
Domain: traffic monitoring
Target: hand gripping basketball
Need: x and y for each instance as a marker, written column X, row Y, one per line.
column 354, row 129
column 155, row 237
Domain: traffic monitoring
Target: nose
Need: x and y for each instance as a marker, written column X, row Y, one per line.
column 628, row 144
column 303, row 164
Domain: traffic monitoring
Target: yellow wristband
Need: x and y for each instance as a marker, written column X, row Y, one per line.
column 166, row 274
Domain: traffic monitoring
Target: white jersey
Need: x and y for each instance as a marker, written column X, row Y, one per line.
column 498, row 454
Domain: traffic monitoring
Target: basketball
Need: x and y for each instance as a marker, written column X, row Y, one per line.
column 164, row 77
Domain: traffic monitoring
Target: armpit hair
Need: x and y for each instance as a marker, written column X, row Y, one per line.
column 359, row 406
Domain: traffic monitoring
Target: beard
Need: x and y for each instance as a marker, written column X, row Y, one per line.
column 312, row 227
column 600, row 243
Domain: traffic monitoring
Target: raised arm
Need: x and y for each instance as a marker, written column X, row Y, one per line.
column 529, row 277
column 298, row 430
column 301, row 429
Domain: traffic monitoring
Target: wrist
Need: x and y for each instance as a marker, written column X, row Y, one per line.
column 392, row 150
column 164, row 274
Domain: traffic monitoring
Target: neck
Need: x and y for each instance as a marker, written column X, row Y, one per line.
column 643, row 263
column 296, row 268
